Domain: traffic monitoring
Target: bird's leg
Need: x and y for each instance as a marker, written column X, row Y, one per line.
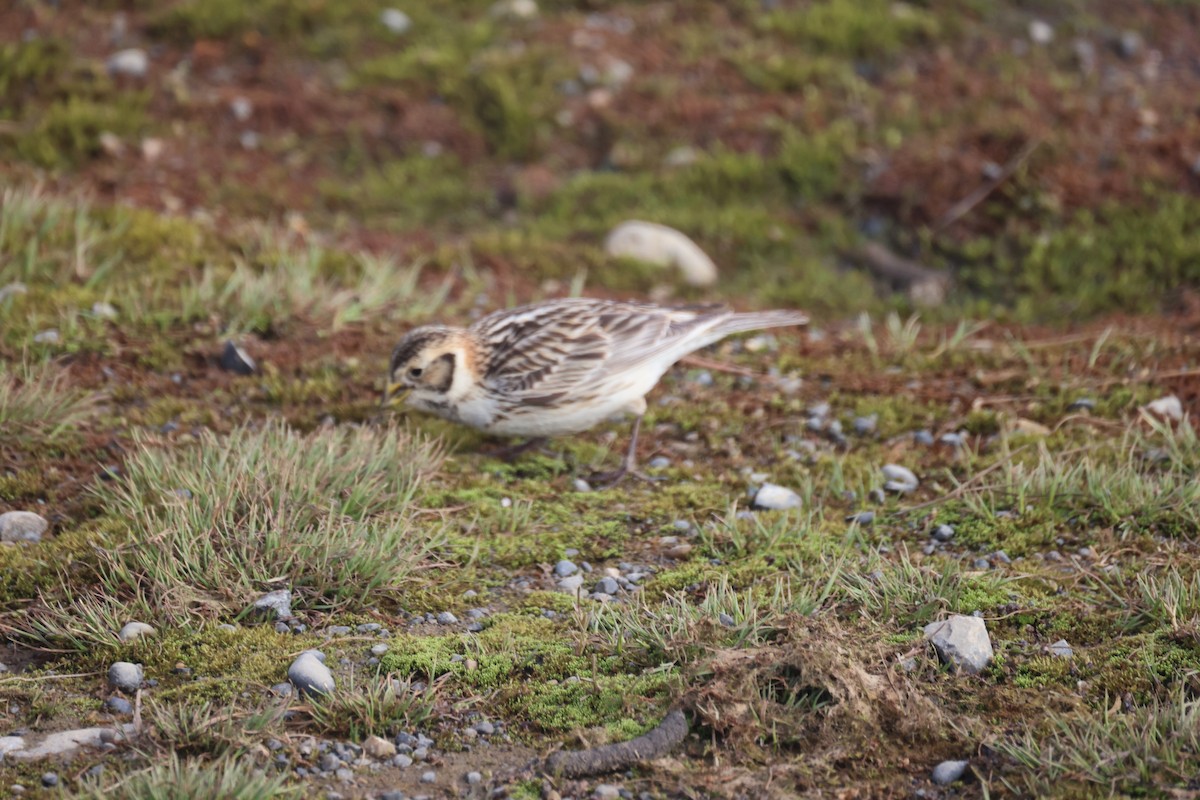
column 628, row 466
column 511, row 452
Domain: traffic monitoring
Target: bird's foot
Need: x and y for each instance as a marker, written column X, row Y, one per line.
column 511, row 453
column 609, row 479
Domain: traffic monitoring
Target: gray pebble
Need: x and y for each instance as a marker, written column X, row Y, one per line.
column 776, row 498
column 309, row 674
column 133, row 630
column 899, row 479
column 395, row 20
column 1001, row 557
column 225, row 626
column 726, row 620
column 565, row 568
column 948, row 772
column 923, row 438
column 943, row 533
column 1082, row 404
column 402, row 761
column 485, row 728
column 429, row 777
column 446, row 618
column 474, row 778
column 379, row 649
column 581, row 485
column 866, row 425
column 1061, row 649
column 982, row 563
column 46, row 337
column 329, row 762
column 133, row 63
column 125, row 676
column 571, row 584
column 49, row 779
column 22, row 526
column 607, row 586
column 862, row 518
column 368, row 627
column 118, row 705
column 475, row 627
column 659, row 462
column 344, row 775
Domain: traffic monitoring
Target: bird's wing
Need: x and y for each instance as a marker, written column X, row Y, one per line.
column 548, row 351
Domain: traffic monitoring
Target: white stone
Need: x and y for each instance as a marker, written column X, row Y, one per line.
column 571, row 583
column 61, row 744
column 395, row 20
column 378, row 748
column 135, row 630
column 515, row 9
column 948, row 772
column 309, row 675
column 1041, row 32
column 277, row 603
column 1167, row 407
column 776, row 498
column 125, row 676
column 962, row 642
column 899, row 479
column 658, row 244
column 22, row 526
column 132, row 62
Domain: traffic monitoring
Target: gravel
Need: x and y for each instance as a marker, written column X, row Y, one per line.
column 125, row 676
column 565, row 568
column 309, row 674
column 429, row 777
column 943, row 533
column 607, row 586
column 22, row 526
column 446, row 618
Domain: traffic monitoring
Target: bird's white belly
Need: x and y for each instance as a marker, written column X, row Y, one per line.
column 557, row 419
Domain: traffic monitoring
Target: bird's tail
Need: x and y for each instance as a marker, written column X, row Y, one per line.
column 757, row 320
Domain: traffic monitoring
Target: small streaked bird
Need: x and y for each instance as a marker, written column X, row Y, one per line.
column 558, row 367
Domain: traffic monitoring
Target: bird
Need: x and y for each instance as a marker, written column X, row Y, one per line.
column 558, row 367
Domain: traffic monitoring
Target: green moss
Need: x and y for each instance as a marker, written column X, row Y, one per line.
column 38, row 568
column 411, row 192
column 68, row 132
column 852, row 28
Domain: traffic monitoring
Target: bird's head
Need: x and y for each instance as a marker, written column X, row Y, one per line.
column 423, row 365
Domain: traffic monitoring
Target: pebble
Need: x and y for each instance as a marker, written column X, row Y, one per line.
column 862, row 518
column 125, row 676
column 379, row 650
column 378, row 748
column 22, row 526
column 1061, row 649
column 515, row 9
column 1129, row 44
column 953, row 439
column 1167, row 407
column 659, row 462
column 343, row 774
column 234, row 359
column 278, row 603
column 948, row 772
column 104, row 310
column 877, row 496
column 49, row 779
column 962, row 642
column 1041, row 32
column 1001, row 557
column 943, row 533
column 1082, row 404
column 565, row 568
column 403, row 761
column 776, row 498
column 135, row 630
column 866, row 425
column 429, row 777
column 606, row 792
column 923, row 438
column 132, row 62
column 726, row 620
column 571, row 584
column 581, row 485
column 395, row 20
column 446, row 618
column 658, row 244
column 474, row 778
column 607, row 585
column 46, row 337
column 118, row 705
column 485, row 728
column 982, row 563
column 241, row 108
column 899, row 479
column 309, row 674
column 225, row 626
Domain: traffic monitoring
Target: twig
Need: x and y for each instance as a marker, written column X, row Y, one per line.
column 964, row 206
column 40, row 678
column 717, row 366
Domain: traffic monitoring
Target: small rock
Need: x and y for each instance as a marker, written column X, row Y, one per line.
column 22, row 526
column 125, row 676
column 248, row 140
column 429, row 777
column 118, row 705
column 681, row 156
column 446, row 618
column 1041, row 32
column 565, row 568
column 403, row 761
column 379, row 650
column 1082, row 404
column 606, row 792
column 474, row 778
column 982, row 563
column 1061, row 649
column 50, row 779
column 395, row 20
column 345, row 775
column 776, row 498
column 948, row 772
column 866, row 425
column 234, row 359
column 152, row 148
column 277, row 604
column 1129, row 44
column 132, row 62
column 726, row 620
column 862, row 518
column 1167, row 407
column 899, row 479
column 962, row 642
column 515, row 9
column 923, row 438
column 241, row 108
column 1031, row 428
column 46, row 337
column 581, row 485
column 134, row 630
column 378, row 748
column 943, row 533
column 309, row 674
column 658, row 244
column 485, row 728
column 571, row 584
column 104, row 310
column 607, row 586
column 659, row 462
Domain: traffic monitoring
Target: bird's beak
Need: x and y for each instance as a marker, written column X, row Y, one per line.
column 394, row 395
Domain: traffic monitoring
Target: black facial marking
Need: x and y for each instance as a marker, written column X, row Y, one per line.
column 413, row 343
column 444, row 384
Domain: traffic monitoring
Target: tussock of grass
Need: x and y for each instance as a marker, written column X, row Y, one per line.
column 35, row 401
column 379, row 706
column 187, row 779
column 1152, row 745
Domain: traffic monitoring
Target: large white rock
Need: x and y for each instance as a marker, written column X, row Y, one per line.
column 658, row 244
column 309, row 674
column 22, row 526
column 962, row 642
column 776, row 498
column 62, row 744
column 899, row 479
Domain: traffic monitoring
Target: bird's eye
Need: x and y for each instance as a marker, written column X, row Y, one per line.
column 415, row 372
